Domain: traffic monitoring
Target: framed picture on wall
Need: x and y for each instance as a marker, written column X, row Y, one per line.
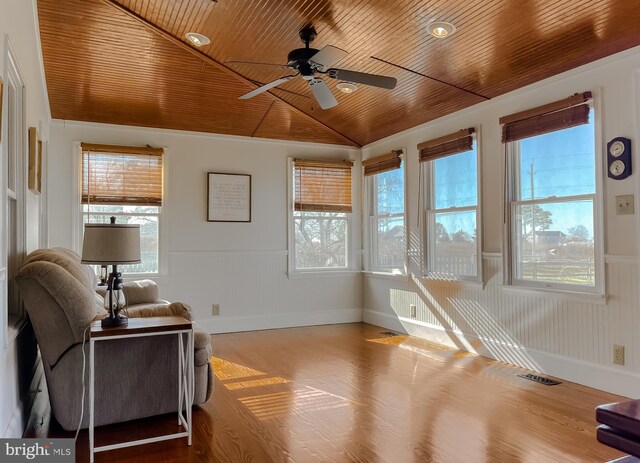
column 228, row 197
column 35, row 160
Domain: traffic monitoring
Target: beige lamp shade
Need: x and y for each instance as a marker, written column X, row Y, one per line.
column 111, row 244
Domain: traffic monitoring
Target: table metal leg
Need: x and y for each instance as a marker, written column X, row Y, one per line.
column 190, row 381
column 180, row 377
column 91, row 397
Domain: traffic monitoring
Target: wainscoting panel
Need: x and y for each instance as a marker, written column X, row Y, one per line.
column 520, row 328
column 254, row 292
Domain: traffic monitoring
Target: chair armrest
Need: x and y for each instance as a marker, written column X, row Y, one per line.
column 163, row 310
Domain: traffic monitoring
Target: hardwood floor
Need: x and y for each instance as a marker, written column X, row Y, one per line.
column 347, row 393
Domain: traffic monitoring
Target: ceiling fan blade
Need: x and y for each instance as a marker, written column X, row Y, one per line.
column 374, row 80
column 265, row 87
column 251, row 63
column 329, row 55
column 322, row 93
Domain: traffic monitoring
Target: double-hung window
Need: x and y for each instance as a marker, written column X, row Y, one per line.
column 553, row 212
column 384, row 177
column 125, row 182
column 452, row 217
column 320, row 215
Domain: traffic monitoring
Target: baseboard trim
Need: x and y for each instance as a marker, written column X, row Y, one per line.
column 606, row 378
column 281, row 320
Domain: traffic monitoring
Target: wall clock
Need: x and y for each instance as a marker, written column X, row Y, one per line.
column 619, row 158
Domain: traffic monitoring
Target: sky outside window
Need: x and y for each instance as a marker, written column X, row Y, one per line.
column 563, row 164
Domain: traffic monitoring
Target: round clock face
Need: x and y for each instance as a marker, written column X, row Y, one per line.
column 617, row 167
column 616, row 149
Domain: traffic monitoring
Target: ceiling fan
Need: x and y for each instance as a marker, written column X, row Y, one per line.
column 308, row 62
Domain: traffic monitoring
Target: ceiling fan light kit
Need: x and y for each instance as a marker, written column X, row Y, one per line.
column 441, row 29
column 346, row 87
column 308, row 62
column 197, row 39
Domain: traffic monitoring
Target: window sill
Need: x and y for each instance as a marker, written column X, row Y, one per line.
column 320, row 273
column 386, row 275
column 452, row 283
column 560, row 294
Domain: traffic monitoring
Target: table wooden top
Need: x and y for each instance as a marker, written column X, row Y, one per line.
column 141, row 325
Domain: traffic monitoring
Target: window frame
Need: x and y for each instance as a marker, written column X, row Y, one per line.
column 369, row 217
column 11, row 324
column 291, row 235
column 79, row 213
column 429, row 210
column 512, row 201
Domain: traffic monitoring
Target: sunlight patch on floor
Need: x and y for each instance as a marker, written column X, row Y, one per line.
column 390, row 340
column 423, row 348
column 224, row 370
column 297, row 401
column 255, row 383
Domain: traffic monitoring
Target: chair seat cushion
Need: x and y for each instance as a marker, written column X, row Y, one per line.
column 622, row 416
column 618, row 440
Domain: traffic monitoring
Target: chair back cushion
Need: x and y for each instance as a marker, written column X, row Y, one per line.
column 58, row 294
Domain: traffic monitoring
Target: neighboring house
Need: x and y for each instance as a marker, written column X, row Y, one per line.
column 550, row 237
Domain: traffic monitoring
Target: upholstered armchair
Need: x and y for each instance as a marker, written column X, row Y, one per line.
column 134, row 378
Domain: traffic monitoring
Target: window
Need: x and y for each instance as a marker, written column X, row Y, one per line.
column 125, row 182
column 321, row 212
column 385, row 202
column 452, row 214
column 552, row 187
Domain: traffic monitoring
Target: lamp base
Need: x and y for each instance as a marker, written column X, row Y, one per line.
column 116, row 320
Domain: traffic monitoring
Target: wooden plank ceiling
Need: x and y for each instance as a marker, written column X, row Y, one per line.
column 128, row 62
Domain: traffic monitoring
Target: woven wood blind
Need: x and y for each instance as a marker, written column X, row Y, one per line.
column 454, row 143
column 563, row 114
column 383, row 163
column 322, row 186
column 121, row 175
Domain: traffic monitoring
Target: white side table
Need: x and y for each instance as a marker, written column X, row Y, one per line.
column 139, row 327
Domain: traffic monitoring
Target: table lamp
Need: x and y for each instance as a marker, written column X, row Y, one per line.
column 112, row 244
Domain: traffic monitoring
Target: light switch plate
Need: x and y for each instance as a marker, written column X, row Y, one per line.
column 624, row 205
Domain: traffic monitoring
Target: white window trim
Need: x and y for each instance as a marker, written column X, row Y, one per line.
column 11, row 66
column 595, row 294
column 163, row 268
column 369, row 205
column 451, row 280
column 292, row 271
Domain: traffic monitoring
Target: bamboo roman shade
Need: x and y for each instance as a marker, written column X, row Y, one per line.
column 563, row 114
column 454, row 143
column 383, row 163
column 322, row 186
column 122, row 175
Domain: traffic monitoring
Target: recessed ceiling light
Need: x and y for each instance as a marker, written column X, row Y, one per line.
column 198, row 40
column 441, row 29
column 347, row 87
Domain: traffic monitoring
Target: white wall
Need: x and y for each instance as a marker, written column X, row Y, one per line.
column 18, row 23
column 567, row 338
column 241, row 266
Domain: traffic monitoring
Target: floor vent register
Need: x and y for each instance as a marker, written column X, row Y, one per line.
column 540, row 379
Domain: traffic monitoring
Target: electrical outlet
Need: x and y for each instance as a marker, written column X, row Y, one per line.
column 618, row 354
column 215, row 309
column 412, row 311
column 624, row 205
